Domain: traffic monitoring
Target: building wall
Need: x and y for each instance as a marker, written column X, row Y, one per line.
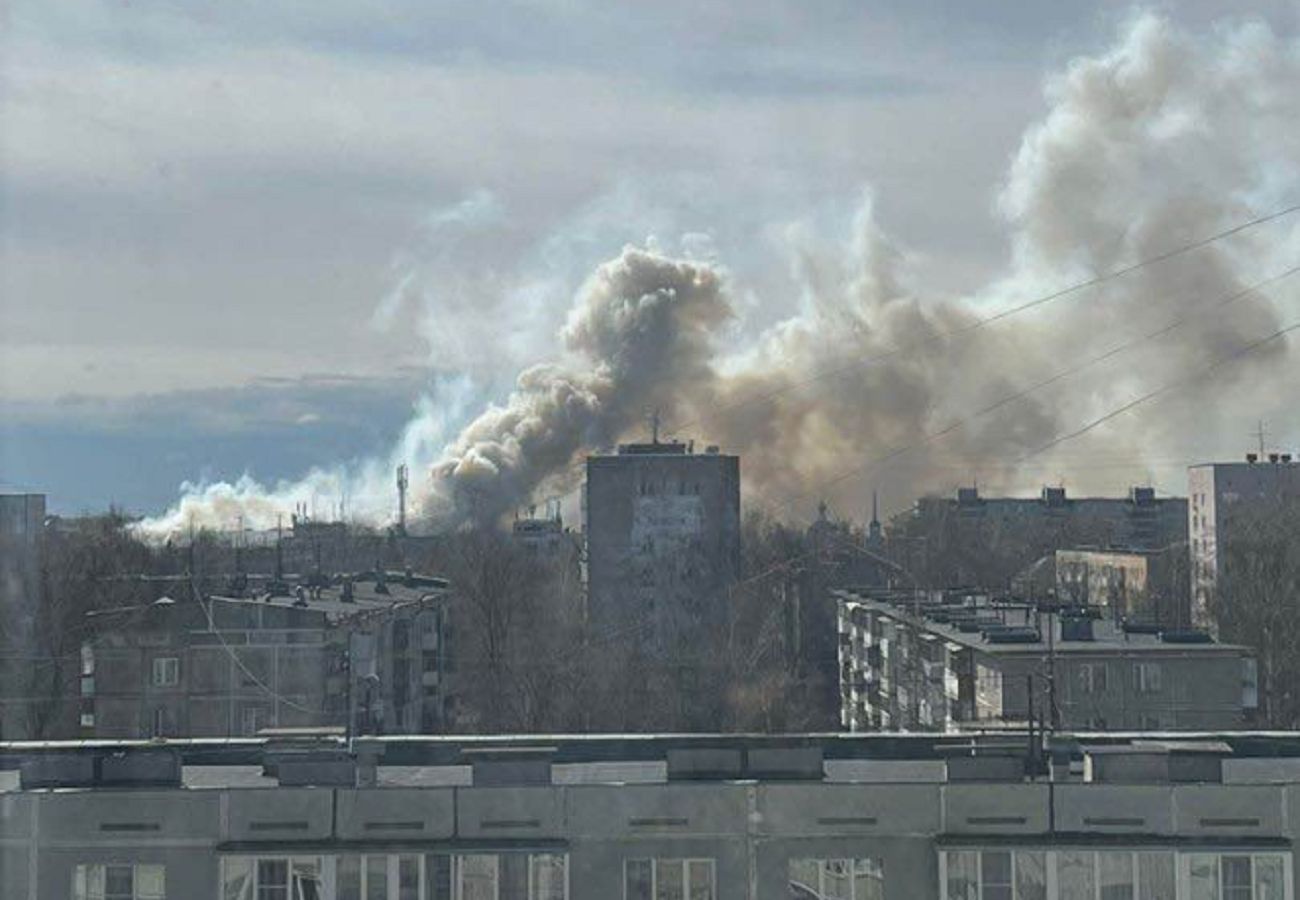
column 268, row 666
column 258, row 678
column 972, row 539
column 1218, row 494
column 663, row 536
column 750, row 832
column 896, row 675
column 22, row 546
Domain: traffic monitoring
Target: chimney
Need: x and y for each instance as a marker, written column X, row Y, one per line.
column 1252, row 458
column 1272, row 457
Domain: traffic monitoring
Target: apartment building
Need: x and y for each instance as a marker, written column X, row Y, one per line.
column 662, row 524
column 1223, row 498
column 22, row 554
column 367, row 653
column 708, row 817
column 946, row 661
column 973, row 538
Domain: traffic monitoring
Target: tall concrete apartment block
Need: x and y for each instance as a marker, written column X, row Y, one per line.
column 663, row 534
column 22, row 540
column 1220, row 494
column 22, row 551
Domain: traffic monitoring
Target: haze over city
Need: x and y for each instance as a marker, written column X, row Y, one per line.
column 292, row 245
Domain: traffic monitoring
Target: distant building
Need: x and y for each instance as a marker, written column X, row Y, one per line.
column 951, row 661
column 1124, row 585
column 22, row 558
column 22, row 544
column 368, row 653
column 974, row 539
column 662, row 525
column 1221, row 495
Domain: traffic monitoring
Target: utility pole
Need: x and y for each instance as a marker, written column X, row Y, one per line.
column 1053, row 713
column 279, row 548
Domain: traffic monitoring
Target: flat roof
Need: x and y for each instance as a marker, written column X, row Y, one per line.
column 1107, row 636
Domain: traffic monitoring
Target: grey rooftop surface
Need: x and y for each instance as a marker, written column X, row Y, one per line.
column 1107, row 636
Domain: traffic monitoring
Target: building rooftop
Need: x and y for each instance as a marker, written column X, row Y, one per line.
column 459, row 761
column 1017, row 627
column 337, row 596
column 657, row 447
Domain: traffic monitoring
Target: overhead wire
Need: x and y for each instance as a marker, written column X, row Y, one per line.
column 980, row 323
column 1073, row 369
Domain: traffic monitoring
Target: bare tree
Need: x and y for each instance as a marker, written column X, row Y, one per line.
column 1258, row 603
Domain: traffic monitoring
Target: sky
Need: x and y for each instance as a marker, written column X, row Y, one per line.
column 253, row 238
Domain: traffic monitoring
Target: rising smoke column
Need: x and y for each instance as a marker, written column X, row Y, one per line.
column 641, row 332
column 1164, row 138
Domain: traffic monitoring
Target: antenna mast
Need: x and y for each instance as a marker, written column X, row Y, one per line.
column 403, row 479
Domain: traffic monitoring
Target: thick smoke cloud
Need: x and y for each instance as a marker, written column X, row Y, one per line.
column 642, row 325
column 1165, row 138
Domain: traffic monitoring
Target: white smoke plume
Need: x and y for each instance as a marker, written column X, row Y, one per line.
column 1165, row 138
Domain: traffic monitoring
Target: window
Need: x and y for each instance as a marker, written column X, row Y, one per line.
column 995, row 875
column 166, row 671
column 1155, row 876
column 401, row 635
column 548, row 876
column 1237, row 883
column 836, row 879
column 509, row 876
column 1107, row 875
column 379, row 876
column 1115, row 875
column 668, row 878
column 1146, row 678
column 1203, row 877
column 119, row 881
column 254, row 720
column 1092, row 678
column 1237, row 876
column 1031, row 875
column 273, row 878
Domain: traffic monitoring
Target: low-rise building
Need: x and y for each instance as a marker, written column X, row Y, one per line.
column 1147, row 586
column 367, row 653
column 948, row 661
column 709, row 817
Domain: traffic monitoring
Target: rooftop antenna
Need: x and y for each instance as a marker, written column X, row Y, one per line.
column 403, row 479
column 279, row 549
column 1259, row 436
column 654, row 426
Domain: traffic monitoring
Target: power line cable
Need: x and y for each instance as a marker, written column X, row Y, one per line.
column 1167, row 328
column 1164, row 389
